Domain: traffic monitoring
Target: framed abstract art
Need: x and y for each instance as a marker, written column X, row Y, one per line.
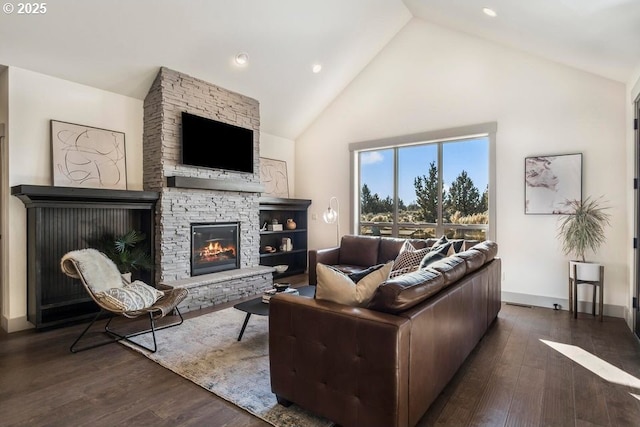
column 84, row 156
column 550, row 182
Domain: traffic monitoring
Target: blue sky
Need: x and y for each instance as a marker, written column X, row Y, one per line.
column 470, row 155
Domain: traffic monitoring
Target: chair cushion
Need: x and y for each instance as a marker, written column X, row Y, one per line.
column 335, row 286
column 130, row 297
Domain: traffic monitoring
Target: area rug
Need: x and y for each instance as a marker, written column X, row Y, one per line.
column 205, row 350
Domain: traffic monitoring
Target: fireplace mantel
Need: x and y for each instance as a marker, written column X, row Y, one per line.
column 214, row 184
column 32, row 194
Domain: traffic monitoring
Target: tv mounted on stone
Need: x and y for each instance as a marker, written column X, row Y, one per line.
column 216, row 145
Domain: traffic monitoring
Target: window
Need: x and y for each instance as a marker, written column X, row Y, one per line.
column 426, row 185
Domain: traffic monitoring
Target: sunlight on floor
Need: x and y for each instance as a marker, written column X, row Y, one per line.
column 603, row 369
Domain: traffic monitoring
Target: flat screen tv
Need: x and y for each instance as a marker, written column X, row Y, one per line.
column 211, row 144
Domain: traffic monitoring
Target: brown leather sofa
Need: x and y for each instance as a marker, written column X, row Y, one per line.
column 385, row 364
column 357, row 253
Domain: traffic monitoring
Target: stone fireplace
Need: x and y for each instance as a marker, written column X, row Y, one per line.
column 194, row 195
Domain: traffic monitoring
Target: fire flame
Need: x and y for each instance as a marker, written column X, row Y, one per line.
column 215, row 251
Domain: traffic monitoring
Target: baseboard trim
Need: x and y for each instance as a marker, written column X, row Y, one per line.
column 15, row 325
column 548, row 302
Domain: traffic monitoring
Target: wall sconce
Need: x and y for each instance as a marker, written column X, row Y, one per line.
column 330, row 216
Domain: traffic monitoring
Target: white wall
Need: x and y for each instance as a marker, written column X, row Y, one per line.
column 35, row 99
column 275, row 147
column 429, row 78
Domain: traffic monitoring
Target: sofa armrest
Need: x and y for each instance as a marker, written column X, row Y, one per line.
column 328, row 256
column 350, row 365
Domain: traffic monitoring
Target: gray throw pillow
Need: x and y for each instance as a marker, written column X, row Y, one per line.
column 435, row 254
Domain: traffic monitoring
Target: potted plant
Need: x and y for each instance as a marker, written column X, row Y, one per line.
column 584, row 230
column 124, row 251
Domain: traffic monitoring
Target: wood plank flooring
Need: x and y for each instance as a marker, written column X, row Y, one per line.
column 510, row 379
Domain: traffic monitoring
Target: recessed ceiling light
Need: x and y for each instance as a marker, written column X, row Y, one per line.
column 316, row 68
column 489, row 12
column 242, row 59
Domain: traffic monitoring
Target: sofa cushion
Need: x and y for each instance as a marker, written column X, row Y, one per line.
column 436, row 253
column 452, row 268
column 338, row 287
column 473, row 258
column 408, row 259
column 403, row 292
column 488, row 248
column 359, row 250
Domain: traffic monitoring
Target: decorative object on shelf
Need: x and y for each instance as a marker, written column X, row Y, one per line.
column 84, row 156
column 286, row 245
column 550, row 181
column 273, row 175
column 331, row 216
column 281, row 268
column 268, row 249
column 264, row 226
column 291, row 224
column 274, row 226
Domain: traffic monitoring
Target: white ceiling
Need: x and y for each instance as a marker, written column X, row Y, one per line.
column 119, row 45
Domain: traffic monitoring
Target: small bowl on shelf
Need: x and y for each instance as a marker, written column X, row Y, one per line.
column 281, row 268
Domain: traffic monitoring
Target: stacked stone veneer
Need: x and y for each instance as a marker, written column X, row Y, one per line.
column 170, row 94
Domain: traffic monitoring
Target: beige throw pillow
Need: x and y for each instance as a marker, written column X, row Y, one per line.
column 338, row 287
column 131, row 297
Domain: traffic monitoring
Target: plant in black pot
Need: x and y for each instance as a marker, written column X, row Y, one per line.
column 582, row 231
column 125, row 250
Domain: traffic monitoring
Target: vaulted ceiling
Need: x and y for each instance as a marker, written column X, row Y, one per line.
column 119, row 45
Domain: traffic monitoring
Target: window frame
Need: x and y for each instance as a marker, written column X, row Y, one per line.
column 487, row 130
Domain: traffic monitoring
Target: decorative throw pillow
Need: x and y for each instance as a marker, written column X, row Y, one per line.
column 336, row 286
column 442, row 240
column 435, row 254
column 401, row 271
column 456, row 246
column 356, row 277
column 131, row 297
column 409, row 257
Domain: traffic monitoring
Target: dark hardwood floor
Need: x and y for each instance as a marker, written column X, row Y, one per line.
column 510, row 379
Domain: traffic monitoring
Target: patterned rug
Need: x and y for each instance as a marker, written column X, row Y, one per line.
column 205, row 350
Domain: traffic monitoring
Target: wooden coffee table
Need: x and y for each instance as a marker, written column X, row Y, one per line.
column 257, row 307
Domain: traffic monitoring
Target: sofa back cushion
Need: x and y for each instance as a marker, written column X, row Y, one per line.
column 403, row 292
column 488, row 248
column 359, row 250
column 473, row 258
column 390, row 247
column 452, row 268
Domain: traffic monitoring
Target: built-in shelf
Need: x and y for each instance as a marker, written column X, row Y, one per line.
column 282, row 209
column 214, row 184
